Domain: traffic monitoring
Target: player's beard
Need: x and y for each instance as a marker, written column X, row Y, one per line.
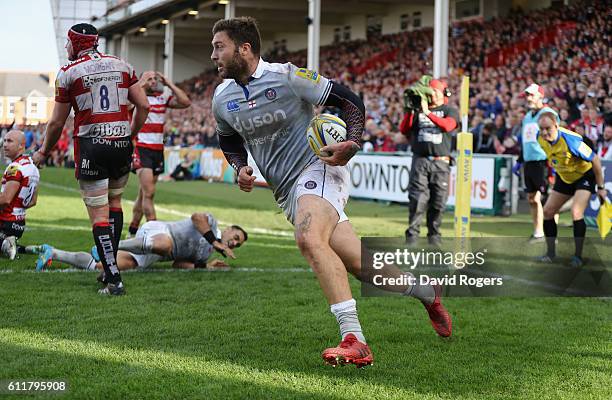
column 236, row 68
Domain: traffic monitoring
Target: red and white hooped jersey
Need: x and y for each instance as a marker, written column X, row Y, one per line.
column 96, row 85
column 151, row 136
column 21, row 170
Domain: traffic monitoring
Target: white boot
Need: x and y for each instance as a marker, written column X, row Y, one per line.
column 9, row 247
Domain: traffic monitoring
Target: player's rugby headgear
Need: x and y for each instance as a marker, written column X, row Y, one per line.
column 81, row 37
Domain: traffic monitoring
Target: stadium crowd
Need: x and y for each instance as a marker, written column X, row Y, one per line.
column 566, row 50
column 573, row 67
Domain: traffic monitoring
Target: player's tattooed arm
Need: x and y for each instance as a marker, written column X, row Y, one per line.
column 352, row 111
column 234, row 151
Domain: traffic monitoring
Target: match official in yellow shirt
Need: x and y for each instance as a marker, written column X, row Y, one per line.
column 578, row 171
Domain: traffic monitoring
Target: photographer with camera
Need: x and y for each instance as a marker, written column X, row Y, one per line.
column 429, row 121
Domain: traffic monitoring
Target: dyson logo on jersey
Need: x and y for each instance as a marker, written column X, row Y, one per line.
column 105, row 130
column 249, row 125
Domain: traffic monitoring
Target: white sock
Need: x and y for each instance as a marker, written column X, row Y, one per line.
column 425, row 293
column 32, row 249
column 346, row 315
column 538, row 234
column 80, row 260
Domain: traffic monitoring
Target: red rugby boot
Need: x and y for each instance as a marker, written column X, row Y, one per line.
column 349, row 351
column 440, row 318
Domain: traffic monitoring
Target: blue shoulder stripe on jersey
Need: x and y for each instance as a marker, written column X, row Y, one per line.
column 575, row 144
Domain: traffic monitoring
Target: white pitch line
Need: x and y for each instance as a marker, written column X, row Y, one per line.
column 271, row 232
column 54, row 227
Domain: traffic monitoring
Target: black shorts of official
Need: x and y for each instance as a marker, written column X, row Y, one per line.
column 101, row 158
column 12, row 228
column 587, row 182
column 536, row 176
column 148, row 158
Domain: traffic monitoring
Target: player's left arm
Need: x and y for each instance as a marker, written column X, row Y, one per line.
column 8, row 194
column 352, row 112
column 202, row 225
column 318, row 90
column 179, row 98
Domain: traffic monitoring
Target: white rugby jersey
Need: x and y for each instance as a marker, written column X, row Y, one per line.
column 271, row 114
column 21, row 170
column 188, row 242
column 151, row 136
column 96, row 85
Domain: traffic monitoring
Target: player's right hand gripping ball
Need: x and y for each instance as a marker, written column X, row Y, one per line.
column 324, row 130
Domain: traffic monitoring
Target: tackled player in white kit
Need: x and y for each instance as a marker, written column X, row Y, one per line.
column 189, row 243
column 266, row 109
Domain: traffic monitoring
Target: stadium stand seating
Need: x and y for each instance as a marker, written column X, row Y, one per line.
column 566, row 49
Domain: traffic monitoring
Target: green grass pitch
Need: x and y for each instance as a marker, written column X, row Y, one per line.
column 257, row 332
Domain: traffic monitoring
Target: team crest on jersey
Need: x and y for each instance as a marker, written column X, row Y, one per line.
column 270, row 94
column 308, row 74
column 12, row 170
column 233, row 106
column 310, row 185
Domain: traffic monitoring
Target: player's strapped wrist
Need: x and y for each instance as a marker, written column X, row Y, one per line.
column 210, row 237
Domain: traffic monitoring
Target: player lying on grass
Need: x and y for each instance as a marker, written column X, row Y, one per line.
column 19, row 192
column 188, row 242
column 578, row 169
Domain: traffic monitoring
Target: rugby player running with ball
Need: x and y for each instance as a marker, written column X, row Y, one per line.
column 266, row 108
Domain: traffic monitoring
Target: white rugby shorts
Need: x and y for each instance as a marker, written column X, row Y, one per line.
column 148, row 230
column 328, row 182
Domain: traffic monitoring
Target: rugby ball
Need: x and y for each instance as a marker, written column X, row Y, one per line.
column 323, row 130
